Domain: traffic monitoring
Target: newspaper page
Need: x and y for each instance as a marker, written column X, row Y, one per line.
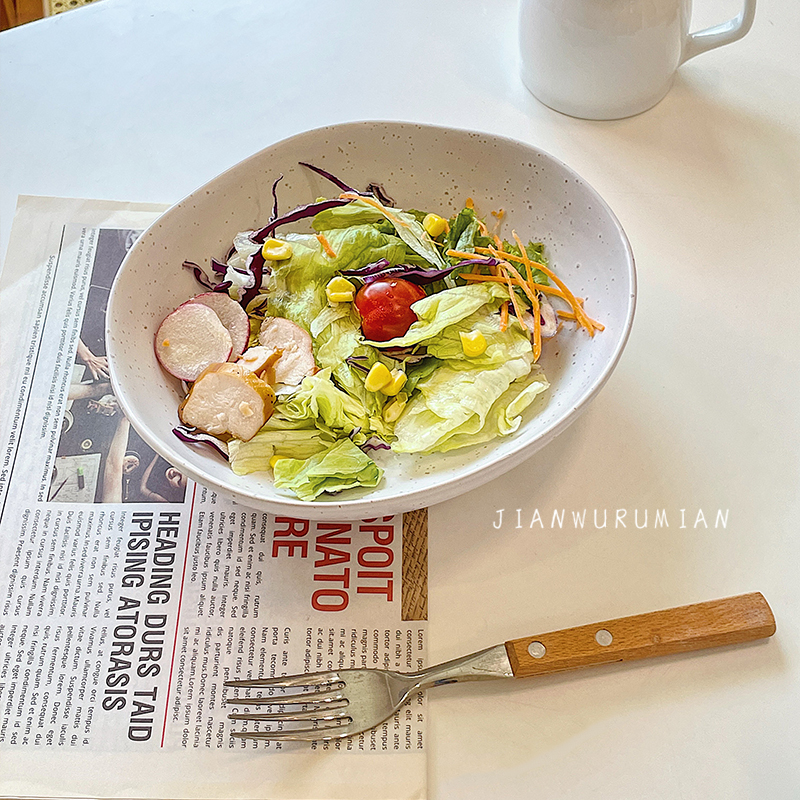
column 129, row 594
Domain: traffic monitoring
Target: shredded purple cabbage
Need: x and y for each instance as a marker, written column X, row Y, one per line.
column 218, row 266
column 259, row 306
column 374, row 443
column 274, row 215
column 353, row 361
column 194, row 436
column 488, row 261
column 332, row 178
column 380, row 270
column 254, row 266
column 204, row 280
column 377, row 190
column 411, row 354
column 301, row 212
column 199, row 275
column 367, row 269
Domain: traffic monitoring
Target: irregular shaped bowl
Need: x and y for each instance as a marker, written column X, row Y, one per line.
column 419, row 166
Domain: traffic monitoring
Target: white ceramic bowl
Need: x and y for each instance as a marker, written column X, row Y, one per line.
column 420, row 167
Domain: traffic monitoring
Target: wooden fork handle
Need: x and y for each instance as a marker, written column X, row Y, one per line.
column 733, row 620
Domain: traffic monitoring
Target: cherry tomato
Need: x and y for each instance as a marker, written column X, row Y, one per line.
column 385, row 308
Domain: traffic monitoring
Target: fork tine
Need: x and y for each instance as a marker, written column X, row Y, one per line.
column 310, row 679
column 299, row 734
column 323, row 697
column 338, row 712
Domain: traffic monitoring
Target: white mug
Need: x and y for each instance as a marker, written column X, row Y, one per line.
column 607, row 59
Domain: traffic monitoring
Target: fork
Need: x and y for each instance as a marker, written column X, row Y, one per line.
column 340, row 703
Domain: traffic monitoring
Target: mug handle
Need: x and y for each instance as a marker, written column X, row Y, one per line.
column 718, row 35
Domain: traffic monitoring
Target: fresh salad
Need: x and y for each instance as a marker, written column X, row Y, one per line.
column 380, row 328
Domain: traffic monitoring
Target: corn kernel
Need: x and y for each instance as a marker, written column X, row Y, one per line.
column 378, row 377
column 276, row 250
column 274, row 460
column 393, row 410
column 434, row 225
column 397, row 382
column 340, row 290
column 473, row 343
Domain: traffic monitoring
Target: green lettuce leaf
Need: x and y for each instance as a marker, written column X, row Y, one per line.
column 318, row 399
column 340, row 467
column 464, row 233
column 408, row 228
column 296, row 286
column 419, row 372
column 454, row 401
column 501, row 345
column 277, row 438
column 505, row 415
column 354, row 213
column 436, row 311
column 338, row 337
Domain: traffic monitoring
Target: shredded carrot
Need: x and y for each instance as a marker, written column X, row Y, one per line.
column 487, row 251
column 509, row 275
column 580, row 315
column 499, row 215
column 518, row 280
column 472, row 276
column 525, row 257
column 531, row 294
column 539, row 287
column 470, row 203
column 375, row 204
column 504, row 316
column 462, row 254
column 517, row 309
column 535, row 310
column 326, row 245
column 571, row 316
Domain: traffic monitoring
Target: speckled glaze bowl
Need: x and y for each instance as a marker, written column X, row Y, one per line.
column 419, row 166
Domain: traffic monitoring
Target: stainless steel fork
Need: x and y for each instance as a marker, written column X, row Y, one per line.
column 340, row 703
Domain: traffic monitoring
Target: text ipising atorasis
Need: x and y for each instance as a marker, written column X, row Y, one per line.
column 138, row 643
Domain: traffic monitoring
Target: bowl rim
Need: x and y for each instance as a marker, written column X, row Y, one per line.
column 472, row 475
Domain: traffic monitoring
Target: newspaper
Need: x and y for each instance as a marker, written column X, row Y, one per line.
column 129, row 594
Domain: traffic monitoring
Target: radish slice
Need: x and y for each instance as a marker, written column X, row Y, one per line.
column 231, row 315
column 190, row 339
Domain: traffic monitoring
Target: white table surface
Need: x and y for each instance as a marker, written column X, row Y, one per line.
column 147, row 99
